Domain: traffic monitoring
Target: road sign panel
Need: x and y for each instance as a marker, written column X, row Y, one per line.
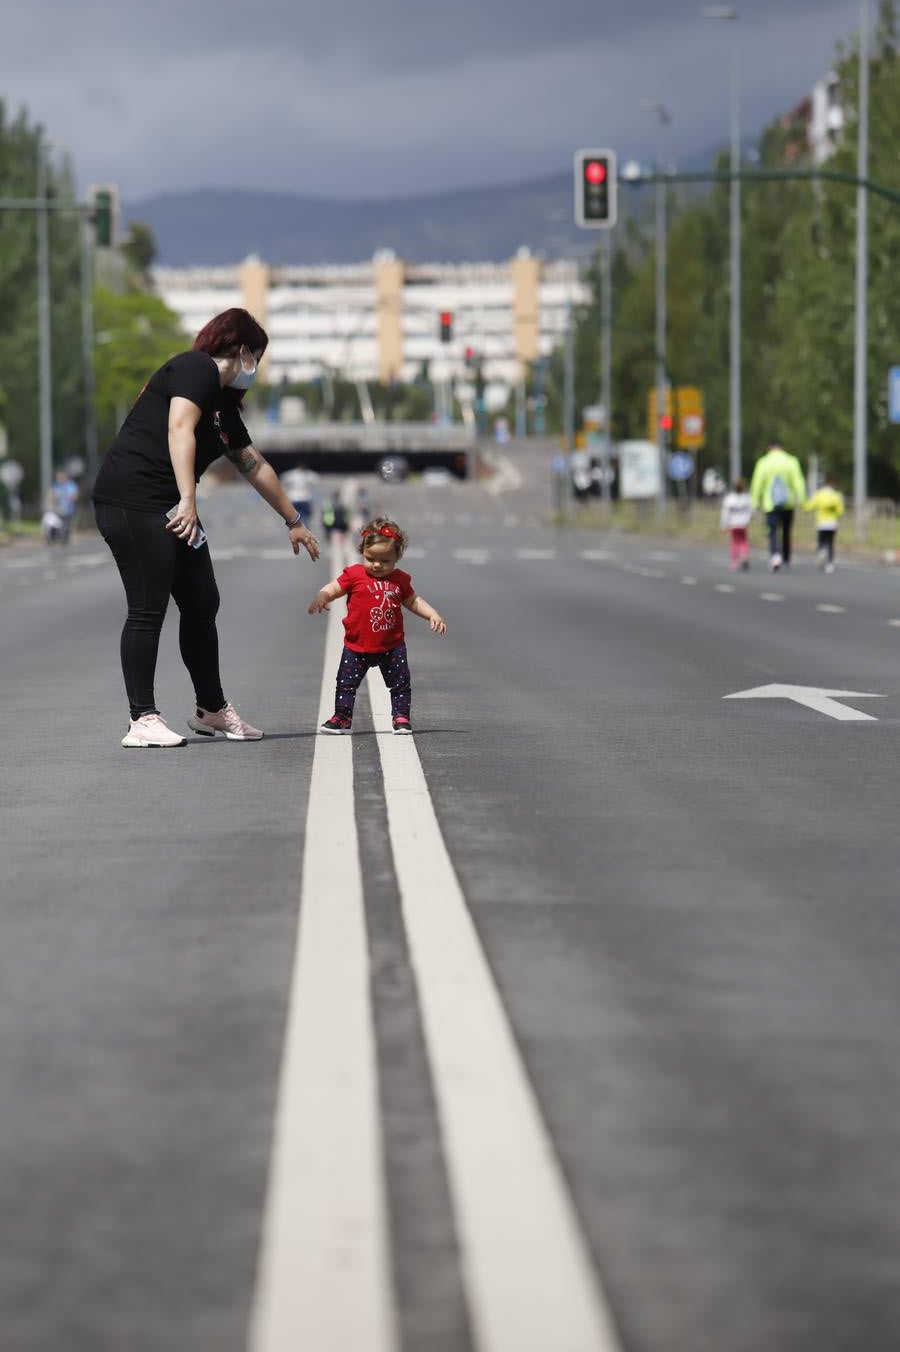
column 894, row 394
column 681, row 465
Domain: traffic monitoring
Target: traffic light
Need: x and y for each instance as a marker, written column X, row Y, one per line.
column 446, row 319
column 595, row 189
column 102, row 218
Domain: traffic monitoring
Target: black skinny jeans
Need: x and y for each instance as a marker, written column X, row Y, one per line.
column 155, row 565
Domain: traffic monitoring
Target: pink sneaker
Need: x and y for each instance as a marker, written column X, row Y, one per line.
column 151, row 730
column 227, row 721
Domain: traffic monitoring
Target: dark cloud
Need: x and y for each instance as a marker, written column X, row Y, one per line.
column 372, row 97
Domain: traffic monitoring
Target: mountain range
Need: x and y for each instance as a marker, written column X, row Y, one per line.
column 216, row 226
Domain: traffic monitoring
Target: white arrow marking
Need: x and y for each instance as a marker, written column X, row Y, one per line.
column 823, row 701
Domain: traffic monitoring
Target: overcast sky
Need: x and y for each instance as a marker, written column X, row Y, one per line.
column 362, row 98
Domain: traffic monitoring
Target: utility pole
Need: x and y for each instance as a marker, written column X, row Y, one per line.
column 45, row 386
column 860, row 393
column 87, row 349
column 731, row 15
column 569, row 382
column 606, row 365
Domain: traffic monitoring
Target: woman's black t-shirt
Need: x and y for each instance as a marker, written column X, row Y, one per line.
column 137, row 471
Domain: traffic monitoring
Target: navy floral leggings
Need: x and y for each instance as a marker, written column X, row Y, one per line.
column 393, row 666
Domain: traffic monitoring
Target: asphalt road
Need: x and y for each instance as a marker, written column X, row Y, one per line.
column 689, row 906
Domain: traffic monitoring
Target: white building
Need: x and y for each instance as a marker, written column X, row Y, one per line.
column 381, row 320
column 827, row 118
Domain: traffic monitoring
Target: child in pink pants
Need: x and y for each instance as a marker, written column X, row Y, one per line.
column 735, row 518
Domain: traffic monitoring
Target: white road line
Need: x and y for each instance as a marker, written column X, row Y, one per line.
column 771, row 596
column 641, row 571
column 832, row 610
column 725, row 587
column 689, row 581
column 895, row 623
column 528, row 1273
column 535, row 553
column 596, row 555
column 324, row 1276
column 478, row 557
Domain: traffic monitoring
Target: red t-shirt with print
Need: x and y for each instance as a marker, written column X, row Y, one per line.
column 374, row 622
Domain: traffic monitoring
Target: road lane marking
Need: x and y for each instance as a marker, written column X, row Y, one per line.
column 832, row 610
column 477, row 557
column 535, row 553
column 596, row 555
column 771, row 596
column 529, row 1277
column 324, row 1280
column 689, row 581
column 642, row 571
column 725, row 587
column 895, row 623
column 824, row 701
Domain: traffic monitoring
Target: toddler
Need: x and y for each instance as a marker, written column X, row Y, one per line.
column 376, row 591
column 735, row 518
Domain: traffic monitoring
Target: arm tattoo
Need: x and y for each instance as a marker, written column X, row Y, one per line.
column 243, row 460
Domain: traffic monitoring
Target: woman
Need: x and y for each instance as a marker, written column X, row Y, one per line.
column 185, row 417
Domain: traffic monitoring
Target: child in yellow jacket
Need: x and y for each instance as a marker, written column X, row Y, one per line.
column 828, row 505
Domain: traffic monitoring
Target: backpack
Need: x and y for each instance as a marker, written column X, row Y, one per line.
column 780, row 493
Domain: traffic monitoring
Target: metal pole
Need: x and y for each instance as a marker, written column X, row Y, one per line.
column 735, row 237
column 569, row 383
column 45, row 388
column 661, row 326
column 606, row 364
column 860, row 467
column 87, row 348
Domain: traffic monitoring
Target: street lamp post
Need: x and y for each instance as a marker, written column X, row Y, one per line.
column 730, row 13
column 45, row 388
column 665, row 120
column 860, row 467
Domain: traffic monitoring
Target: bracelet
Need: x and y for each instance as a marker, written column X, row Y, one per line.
column 297, row 521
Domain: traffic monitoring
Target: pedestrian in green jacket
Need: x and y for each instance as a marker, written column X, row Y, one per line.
column 777, row 488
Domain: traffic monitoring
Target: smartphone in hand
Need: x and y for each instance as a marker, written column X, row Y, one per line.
column 199, row 539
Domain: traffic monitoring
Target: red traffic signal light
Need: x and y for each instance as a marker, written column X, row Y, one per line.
column 446, row 320
column 595, row 188
column 665, row 422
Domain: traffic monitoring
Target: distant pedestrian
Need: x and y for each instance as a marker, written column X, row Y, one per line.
column 376, row 590
column 186, row 416
column 828, row 505
column 59, row 509
column 334, row 516
column 735, row 517
column 778, row 488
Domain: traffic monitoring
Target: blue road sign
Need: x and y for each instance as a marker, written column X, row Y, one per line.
column 894, row 394
column 681, row 465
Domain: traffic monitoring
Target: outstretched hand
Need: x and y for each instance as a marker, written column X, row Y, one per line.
column 302, row 535
column 317, row 604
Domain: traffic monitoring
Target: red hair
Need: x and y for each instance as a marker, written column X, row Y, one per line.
column 227, row 333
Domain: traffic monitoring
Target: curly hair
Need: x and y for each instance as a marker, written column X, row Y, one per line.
column 227, row 333
column 382, row 528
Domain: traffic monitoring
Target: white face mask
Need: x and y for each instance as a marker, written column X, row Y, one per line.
column 244, row 379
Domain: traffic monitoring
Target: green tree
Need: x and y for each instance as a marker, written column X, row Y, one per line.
column 134, row 333
column 19, row 386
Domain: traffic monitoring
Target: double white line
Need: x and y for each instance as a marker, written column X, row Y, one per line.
column 324, row 1280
